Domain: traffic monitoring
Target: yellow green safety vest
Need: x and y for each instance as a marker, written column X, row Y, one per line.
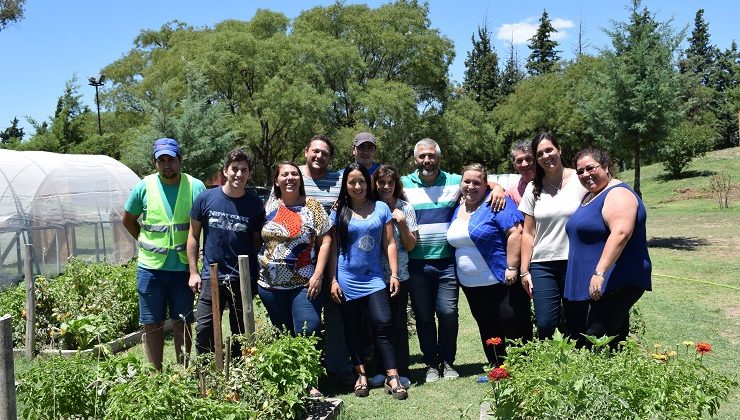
column 159, row 234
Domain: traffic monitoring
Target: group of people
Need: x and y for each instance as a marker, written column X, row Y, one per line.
column 354, row 245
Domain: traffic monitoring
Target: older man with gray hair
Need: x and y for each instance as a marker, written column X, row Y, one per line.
column 434, row 194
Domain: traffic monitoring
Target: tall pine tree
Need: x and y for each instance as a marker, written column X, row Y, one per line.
column 701, row 54
column 482, row 77
column 544, row 56
column 511, row 74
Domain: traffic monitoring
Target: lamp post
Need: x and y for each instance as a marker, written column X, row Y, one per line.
column 97, row 83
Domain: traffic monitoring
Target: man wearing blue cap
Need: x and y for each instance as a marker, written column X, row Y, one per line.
column 163, row 200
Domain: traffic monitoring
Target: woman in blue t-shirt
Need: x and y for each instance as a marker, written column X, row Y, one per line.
column 609, row 266
column 362, row 228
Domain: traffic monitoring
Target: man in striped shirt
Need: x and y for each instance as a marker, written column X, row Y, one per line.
column 433, row 284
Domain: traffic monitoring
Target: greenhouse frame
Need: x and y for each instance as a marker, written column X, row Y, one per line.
column 63, row 205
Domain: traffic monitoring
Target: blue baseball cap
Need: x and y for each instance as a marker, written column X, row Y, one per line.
column 165, row 146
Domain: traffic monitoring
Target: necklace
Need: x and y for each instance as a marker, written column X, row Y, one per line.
column 558, row 187
column 362, row 207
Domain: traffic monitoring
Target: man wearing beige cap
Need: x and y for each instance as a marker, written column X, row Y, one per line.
column 363, row 149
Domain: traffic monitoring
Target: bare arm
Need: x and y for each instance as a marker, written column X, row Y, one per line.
column 497, row 196
column 331, row 271
column 527, row 245
column 513, row 253
column 389, row 244
column 408, row 238
column 619, row 213
column 193, row 251
column 131, row 223
column 314, row 283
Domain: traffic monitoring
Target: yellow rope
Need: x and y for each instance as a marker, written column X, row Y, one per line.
column 698, row 281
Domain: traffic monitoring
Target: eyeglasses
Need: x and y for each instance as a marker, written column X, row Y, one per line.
column 528, row 159
column 590, row 169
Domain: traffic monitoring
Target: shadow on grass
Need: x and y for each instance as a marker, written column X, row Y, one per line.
column 680, row 243
column 685, row 175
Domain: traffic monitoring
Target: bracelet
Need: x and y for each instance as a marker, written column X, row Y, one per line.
column 599, row 273
column 512, row 268
column 334, row 281
column 524, row 274
column 393, row 276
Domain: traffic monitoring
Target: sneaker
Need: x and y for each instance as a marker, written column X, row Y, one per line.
column 405, row 382
column 432, row 374
column 376, row 381
column 448, row 372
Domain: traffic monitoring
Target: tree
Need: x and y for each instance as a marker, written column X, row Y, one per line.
column 511, row 75
column 11, row 135
column 10, row 11
column 701, row 54
column 481, row 80
column 684, row 144
column 544, row 56
column 639, row 90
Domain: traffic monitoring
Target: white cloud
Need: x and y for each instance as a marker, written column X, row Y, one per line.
column 521, row 32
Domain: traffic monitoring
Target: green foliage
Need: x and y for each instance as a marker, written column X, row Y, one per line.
column 10, row 11
column 89, row 304
column 544, row 57
column 638, row 100
column 511, row 74
column 270, row 380
column 551, row 380
column 481, row 71
column 684, row 144
column 12, row 135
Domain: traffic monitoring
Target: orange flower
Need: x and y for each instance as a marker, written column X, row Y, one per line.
column 493, row 341
column 498, row 373
column 702, row 347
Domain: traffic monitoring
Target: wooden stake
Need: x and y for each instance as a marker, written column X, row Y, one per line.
column 30, row 302
column 245, row 285
column 7, row 384
column 218, row 342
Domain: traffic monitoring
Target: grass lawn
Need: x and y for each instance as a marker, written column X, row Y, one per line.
column 694, row 247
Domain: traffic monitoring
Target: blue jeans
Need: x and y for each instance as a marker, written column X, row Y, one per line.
column 548, row 285
column 291, row 309
column 160, row 290
column 434, row 290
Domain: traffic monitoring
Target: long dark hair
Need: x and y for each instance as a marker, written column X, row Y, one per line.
column 388, row 171
column 276, row 188
column 539, row 173
column 344, row 205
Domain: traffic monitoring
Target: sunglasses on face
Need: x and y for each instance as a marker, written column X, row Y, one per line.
column 590, row 169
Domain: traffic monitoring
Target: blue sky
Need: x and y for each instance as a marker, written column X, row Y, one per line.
column 58, row 39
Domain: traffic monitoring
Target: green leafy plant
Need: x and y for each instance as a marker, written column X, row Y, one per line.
column 269, row 380
column 89, row 303
column 551, row 379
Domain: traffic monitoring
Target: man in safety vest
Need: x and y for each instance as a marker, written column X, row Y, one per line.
column 163, row 200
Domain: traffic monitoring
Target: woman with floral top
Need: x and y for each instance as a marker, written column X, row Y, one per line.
column 295, row 251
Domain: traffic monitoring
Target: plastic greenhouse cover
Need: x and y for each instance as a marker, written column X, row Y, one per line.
column 42, row 189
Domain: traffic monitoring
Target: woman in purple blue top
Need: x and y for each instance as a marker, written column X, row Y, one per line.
column 609, row 266
column 487, row 252
column 362, row 229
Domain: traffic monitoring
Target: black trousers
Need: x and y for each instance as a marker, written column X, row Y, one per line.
column 609, row 315
column 229, row 296
column 378, row 310
column 500, row 311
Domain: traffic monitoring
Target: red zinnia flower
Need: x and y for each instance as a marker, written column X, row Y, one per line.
column 493, row 341
column 498, row 373
column 702, row 347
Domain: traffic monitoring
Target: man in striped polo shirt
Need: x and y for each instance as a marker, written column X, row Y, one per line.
column 433, row 284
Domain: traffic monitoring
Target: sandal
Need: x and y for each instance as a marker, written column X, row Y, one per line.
column 398, row 392
column 361, row 390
